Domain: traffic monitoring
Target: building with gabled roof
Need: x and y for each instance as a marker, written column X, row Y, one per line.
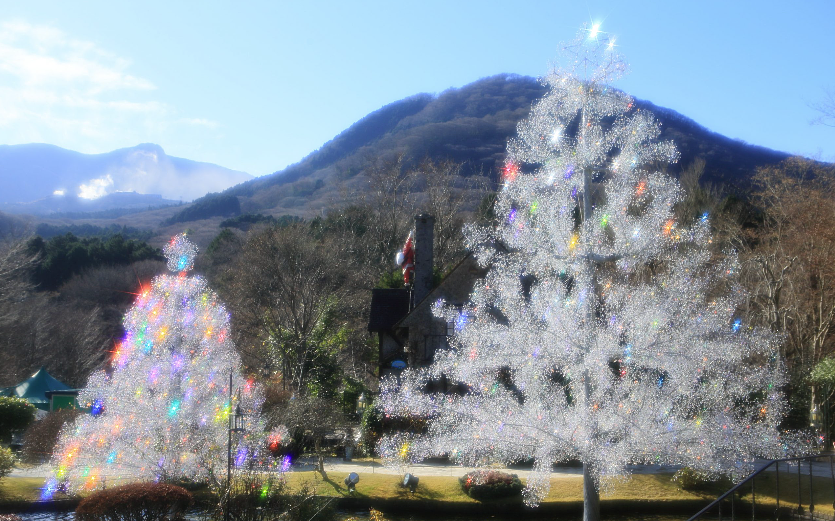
column 408, row 333
column 40, row 389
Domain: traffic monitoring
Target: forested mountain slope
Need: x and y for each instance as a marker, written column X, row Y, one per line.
column 469, row 125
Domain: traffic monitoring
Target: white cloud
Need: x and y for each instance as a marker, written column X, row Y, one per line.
column 42, row 56
column 95, row 188
column 58, row 89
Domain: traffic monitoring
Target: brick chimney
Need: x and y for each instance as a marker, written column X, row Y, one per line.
column 424, row 238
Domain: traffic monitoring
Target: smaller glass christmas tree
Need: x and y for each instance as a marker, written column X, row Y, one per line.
column 162, row 411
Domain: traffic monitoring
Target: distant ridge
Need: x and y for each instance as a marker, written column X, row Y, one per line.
column 72, row 206
column 470, row 125
column 34, row 172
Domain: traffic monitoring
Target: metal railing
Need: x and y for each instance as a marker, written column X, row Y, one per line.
column 730, row 498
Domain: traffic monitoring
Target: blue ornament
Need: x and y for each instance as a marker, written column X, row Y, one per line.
column 461, row 321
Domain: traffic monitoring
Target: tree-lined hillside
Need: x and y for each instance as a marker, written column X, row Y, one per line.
column 469, row 126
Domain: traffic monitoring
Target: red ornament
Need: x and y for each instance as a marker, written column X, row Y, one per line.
column 406, row 259
column 511, row 170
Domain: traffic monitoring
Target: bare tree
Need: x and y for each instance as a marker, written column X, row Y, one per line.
column 15, row 289
column 451, row 198
column 790, row 268
column 395, row 192
column 75, row 342
column 70, row 331
column 309, row 417
column 15, row 261
column 286, row 283
column 390, row 198
column 71, row 341
column 826, row 108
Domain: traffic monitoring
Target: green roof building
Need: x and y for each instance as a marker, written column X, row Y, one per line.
column 40, row 389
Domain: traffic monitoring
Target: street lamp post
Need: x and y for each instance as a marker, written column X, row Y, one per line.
column 236, row 424
column 361, row 404
column 814, row 419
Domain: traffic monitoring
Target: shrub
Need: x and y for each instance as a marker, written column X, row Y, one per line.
column 15, row 413
column 134, row 502
column 257, row 496
column 40, row 438
column 371, row 427
column 490, row 484
column 694, row 481
column 7, row 461
column 189, row 484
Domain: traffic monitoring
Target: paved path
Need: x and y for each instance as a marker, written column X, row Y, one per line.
column 820, row 468
column 375, row 467
column 448, row 469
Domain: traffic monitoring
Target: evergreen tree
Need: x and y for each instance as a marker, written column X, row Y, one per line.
column 605, row 331
column 162, row 411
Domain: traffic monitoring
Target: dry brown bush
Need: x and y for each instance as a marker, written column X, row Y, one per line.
column 40, row 438
column 135, row 502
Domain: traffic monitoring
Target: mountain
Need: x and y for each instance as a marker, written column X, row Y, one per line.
column 73, row 206
column 470, row 125
column 53, row 176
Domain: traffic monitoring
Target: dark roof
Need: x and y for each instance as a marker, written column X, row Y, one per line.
column 388, row 306
column 450, row 288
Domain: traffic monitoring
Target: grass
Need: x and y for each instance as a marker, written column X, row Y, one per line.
column 656, row 487
column 765, row 491
column 641, row 487
column 381, row 486
column 21, row 489
column 435, row 488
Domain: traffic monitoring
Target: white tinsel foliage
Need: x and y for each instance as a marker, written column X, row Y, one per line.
column 161, row 412
column 605, row 331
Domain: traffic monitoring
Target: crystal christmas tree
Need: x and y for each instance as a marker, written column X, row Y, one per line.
column 605, row 330
column 162, row 410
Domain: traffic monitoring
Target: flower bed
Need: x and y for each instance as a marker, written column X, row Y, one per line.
column 490, row 484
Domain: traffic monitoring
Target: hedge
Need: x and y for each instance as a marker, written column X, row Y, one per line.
column 490, row 484
column 135, row 502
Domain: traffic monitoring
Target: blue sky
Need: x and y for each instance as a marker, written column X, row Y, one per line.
column 255, row 86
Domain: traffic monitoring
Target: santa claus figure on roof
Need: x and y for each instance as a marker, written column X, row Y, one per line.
column 406, row 259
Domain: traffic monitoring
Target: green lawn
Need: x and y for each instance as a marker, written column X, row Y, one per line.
column 438, row 488
column 446, row 488
column 651, row 487
column 765, row 491
column 20, row 489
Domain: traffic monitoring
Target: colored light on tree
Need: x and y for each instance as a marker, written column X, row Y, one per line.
column 605, row 330
column 161, row 412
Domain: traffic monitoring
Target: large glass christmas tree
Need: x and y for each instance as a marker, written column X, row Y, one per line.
column 605, row 330
column 161, row 411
